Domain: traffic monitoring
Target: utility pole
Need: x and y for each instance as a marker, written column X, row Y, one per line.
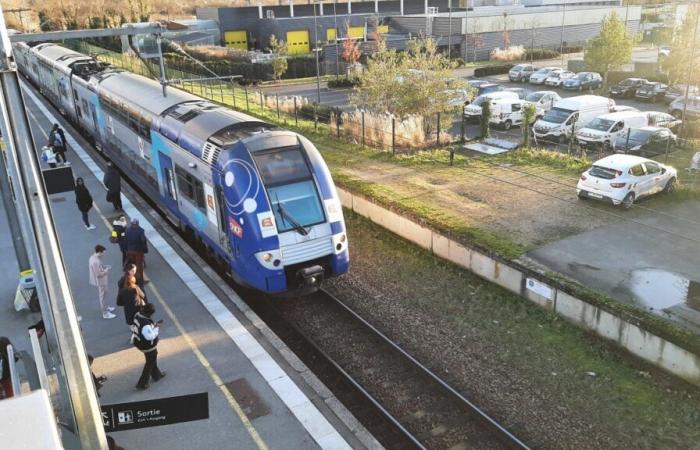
column 561, row 42
column 690, row 69
column 316, row 49
column 335, row 24
column 449, row 35
column 81, row 410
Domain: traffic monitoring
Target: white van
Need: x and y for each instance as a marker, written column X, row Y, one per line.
column 506, row 112
column 570, row 114
column 473, row 110
column 604, row 129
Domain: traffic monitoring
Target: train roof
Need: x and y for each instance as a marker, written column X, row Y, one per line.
column 192, row 124
column 141, row 91
column 60, row 55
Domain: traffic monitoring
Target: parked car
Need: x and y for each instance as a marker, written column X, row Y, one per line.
column 522, row 93
column 622, row 179
column 627, row 87
column 678, row 91
column 645, row 141
column 652, row 91
column 521, row 72
column 621, row 108
column 665, row 50
column 484, row 87
column 543, row 100
column 506, row 112
column 584, row 80
column 473, row 110
column 458, row 97
column 663, row 120
column 570, row 114
column 557, row 77
column 605, row 129
column 692, row 110
column 540, row 75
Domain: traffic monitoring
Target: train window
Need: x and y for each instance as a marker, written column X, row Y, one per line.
column 190, row 187
column 282, row 166
column 295, row 205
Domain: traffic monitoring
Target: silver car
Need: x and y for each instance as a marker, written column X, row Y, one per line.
column 521, row 72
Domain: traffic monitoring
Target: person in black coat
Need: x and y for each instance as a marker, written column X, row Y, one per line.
column 84, row 201
column 131, row 297
column 136, row 246
column 113, row 182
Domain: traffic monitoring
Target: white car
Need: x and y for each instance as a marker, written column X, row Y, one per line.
column 541, row 75
column 543, row 100
column 622, row 179
column 557, row 77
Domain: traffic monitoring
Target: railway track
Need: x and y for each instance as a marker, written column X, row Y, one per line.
column 399, row 400
column 423, row 410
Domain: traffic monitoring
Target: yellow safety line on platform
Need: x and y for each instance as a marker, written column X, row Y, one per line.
column 198, row 353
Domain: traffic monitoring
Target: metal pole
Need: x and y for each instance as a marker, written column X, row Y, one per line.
column 438, row 130
column 318, row 69
column 233, row 93
column 57, row 305
column 335, row 24
column 8, row 202
column 262, row 107
column 296, row 117
column 449, row 35
column 163, row 74
column 247, row 105
column 337, row 125
column 561, row 42
column 690, row 69
column 393, row 136
column 363, row 128
column 668, row 149
column 277, row 100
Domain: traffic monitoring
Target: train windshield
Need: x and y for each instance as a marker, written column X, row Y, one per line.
column 291, row 189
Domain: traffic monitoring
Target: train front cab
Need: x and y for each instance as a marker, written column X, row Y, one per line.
column 286, row 222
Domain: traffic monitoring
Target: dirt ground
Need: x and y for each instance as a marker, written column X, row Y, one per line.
column 552, row 384
column 528, row 205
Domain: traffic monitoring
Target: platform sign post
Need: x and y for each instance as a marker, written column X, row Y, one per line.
column 79, row 408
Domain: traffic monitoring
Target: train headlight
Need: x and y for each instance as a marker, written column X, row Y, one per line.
column 269, row 259
column 340, row 242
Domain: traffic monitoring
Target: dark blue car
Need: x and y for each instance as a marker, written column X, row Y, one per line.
column 584, row 80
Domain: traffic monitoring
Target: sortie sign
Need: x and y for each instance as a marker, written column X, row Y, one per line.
column 152, row 413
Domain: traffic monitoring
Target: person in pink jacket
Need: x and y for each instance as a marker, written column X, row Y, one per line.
column 99, row 277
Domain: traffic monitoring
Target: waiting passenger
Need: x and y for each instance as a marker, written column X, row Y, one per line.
column 84, row 201
column 6, row 390
column 145, row 337
column 57, row 140
column 48, row 156
column 136, row 246
column 131, row 298
column 113, row 182
column 119, row 235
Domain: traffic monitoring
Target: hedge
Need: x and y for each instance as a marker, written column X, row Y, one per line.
column 540, row 53
column 323, row 112
column 492, row 70
column 343, row 82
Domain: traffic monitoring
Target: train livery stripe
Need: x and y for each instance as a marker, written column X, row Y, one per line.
column 318, row 427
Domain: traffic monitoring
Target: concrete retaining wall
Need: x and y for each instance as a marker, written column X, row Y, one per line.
column 636, row 340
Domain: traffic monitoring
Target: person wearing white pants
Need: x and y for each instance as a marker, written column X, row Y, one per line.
column 99, row 278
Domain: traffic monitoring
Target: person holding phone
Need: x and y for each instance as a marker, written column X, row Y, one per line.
column 100, row 279
column 144, row 335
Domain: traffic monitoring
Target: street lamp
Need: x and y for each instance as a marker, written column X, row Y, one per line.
column 316, row 50
column 335, row 39
column 561, row 44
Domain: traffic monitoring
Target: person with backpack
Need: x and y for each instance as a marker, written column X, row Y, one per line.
column 118, row 235
column 57, row 140
column 144, row 335
column 113, row 182
column 84, row 201
column 48, row 156
column 136, row 246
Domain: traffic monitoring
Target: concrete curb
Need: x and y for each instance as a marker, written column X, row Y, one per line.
column 538, row 289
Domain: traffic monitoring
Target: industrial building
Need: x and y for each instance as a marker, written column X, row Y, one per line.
column 472, row 28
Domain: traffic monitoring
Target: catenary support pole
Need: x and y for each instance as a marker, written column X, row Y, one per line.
column 55, row 298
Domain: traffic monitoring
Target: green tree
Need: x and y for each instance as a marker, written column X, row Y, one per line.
column 677, row 64
column 279, row 63
column 529, row 115
column 611, row 48
column 486, row 119
column 415, row 82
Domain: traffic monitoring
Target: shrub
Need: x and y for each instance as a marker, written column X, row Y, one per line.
column 343, row 82
column 572, row 49
column 514, row 53
column 691, row 130
column 459, row 62
column 540, row 53
column 492, row 70
column 323, row 112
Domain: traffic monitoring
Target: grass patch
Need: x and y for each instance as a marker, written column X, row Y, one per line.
column 567, row 164
column 624, row 399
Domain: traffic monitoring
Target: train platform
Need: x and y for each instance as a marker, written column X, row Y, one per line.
column 260, row 395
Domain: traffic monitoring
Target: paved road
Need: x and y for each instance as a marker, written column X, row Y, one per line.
column 653, row 262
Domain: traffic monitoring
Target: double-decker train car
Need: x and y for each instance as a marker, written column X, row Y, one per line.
column 260, row 199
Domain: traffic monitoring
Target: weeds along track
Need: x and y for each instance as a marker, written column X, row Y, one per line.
column 423, row 410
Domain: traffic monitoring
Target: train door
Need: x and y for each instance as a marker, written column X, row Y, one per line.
column 168, row 193
column 224, row 240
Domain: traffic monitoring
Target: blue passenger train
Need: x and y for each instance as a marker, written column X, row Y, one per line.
column 260, row 199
